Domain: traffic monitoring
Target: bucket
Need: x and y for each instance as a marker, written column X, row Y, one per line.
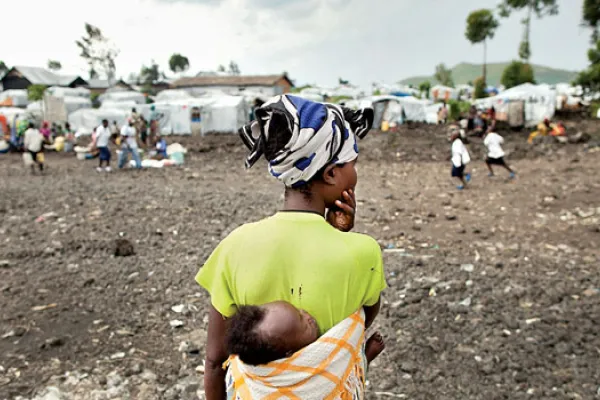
column 177, row 157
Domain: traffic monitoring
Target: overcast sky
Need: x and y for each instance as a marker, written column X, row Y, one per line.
column 315, row 41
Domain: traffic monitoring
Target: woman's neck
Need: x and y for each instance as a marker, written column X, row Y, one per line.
column 298, row 201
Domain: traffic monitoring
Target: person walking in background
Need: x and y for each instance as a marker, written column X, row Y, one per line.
column 443, row 114
column 460, row 159
column 103, row 136
column 129, row 145
column 33, row 142
column 495, row 156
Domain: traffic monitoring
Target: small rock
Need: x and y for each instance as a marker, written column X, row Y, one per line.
column 51, row 393
column 72, row 268
column 408, row 367
column 123, row 248
column 5, row 264
column 200, row 369
column 176, row 323
column 451, row 217
column 591, row 292
column 431, row 215
column 467, row 267
column 149, row 376
column 54, row 342
column 136, row 369
column 179, row 308
column 117, row 356
column 466, row 302
column 132, row 276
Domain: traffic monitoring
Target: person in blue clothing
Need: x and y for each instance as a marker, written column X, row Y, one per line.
column 161, row 148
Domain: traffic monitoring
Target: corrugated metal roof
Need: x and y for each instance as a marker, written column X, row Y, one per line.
column 98, row 83
column 231, row 80
column 42, row 76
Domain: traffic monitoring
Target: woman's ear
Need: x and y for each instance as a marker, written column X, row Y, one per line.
column 330, row 174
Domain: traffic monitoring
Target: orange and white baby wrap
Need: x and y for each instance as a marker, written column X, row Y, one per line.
column 331, row 368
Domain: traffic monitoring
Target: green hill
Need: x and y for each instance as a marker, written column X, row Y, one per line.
column 464, row 73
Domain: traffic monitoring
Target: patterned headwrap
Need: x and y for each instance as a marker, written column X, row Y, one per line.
column 319, row 135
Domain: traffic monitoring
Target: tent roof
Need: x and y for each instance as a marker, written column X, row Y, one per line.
column 230, row 80
column 42, row 76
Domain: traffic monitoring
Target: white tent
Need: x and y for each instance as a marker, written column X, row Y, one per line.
column 414, row 109
column 58, row 91
column 176, row 116
column 540, row 102
column 126, row 105
column 440, row 92
column 18, row 96
column 173, row 94
column 129, row 95
column 225, row 115
column 85, row 120
column 11, row 112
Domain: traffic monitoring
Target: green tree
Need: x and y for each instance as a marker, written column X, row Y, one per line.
column 150, row 74
column 424, row 88
column 178, row 63
column 3, row 68
column 36, row 92
column 98, row 52
column 589, row 79
column 221, row 68
column 479, row 88
column 539, row 8
column 517, row 73
column 591, row 17
column 481, row 26
column 54, row 65
column 443, row 75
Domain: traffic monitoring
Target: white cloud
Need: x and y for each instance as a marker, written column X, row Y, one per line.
column 314, row 40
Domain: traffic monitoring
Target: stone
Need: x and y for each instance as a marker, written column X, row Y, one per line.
column 123, row 248
column 408, row 367
column 467, row 267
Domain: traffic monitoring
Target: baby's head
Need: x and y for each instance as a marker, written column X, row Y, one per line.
column 261, row 334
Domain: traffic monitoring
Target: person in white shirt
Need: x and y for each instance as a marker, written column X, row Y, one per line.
column 495, row 156
column 129, row 145
column 460, row 159
column 103, row 135
column 33, row 142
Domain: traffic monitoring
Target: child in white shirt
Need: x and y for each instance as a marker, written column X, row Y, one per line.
column 495, row 156
column 460, row 159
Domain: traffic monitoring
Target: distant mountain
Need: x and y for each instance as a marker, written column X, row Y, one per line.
column 464, row 73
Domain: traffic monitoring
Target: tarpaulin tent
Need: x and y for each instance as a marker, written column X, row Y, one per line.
column 176, row 115
column 58, row 91
column 172, row 94
column 126, row 105
column 138, row 97
column 539, row 102
column 225, row 115
column 16, row 97
column 85, row 120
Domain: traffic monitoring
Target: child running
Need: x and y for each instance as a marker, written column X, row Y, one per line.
column 259, row 335
column 460, row 159
column 493, row 142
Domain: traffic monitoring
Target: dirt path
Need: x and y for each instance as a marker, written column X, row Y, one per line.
column 494, row 292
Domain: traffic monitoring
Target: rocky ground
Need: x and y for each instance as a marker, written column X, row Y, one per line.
column 494, row 292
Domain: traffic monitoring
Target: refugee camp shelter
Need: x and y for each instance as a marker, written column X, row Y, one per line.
column 84, row 120
column 269, row 85
column 127, row 95
column 58, row 91
column 21, row 77
column 443, row 93
column 100, row 86
column 390, row 109
column 225, row 115
column 180, row 116
column 14, row 98
column 539, row 102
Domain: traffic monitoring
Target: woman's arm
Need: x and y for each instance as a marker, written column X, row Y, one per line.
column 216, row 355
column 371, row 313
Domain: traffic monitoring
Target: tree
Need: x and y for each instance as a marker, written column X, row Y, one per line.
column 591, row 17
column 36, row 92
column 151, row 74
column 589, row 79
column 517, row 73
column 3, row 68
column 540, row 8
column 98, row 52
column 481, row 26
column 178, row 63
column 234, row 68
column 443, row 75
column 479, row 88
column 424, row 88
column 54, row 65
column 221, row 68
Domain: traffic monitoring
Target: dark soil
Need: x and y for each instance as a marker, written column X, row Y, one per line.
column 494, row 292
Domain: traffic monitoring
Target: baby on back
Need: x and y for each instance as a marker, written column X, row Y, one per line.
column 259, row 335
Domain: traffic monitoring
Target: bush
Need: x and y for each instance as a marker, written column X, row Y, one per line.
column 517, row 73
column 456, row 108
column 36, row 92
column 479, row 89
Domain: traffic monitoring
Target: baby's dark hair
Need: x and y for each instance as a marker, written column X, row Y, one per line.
column 246, row 341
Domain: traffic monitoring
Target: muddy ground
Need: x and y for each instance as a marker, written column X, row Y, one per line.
column 494, row 292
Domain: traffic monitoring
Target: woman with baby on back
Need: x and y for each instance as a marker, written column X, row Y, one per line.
column 298, row 269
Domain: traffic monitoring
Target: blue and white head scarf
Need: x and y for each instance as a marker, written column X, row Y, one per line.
column 319, row 135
